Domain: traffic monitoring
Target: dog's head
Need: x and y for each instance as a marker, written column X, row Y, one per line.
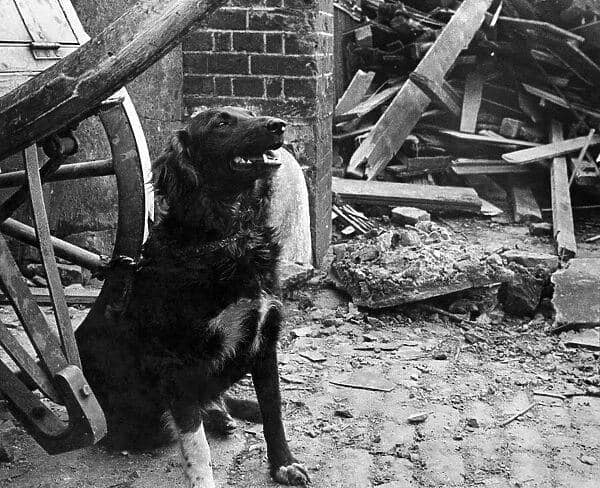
column 224, row 149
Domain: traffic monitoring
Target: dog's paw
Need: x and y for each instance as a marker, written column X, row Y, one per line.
column 293, row 474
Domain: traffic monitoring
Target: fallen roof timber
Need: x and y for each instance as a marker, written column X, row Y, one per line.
column 562, row 214
column 434, row 198
column 355, row 92
column 547, row 151
column 408, row 105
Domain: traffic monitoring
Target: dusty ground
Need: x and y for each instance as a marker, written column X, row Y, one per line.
column 467, row 382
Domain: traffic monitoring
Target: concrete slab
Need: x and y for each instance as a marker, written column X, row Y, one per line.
column 577, row 295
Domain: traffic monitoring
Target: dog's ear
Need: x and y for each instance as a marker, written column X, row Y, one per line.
column 173, row 172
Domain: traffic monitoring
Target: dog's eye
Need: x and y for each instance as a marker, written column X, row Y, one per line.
column 222, row 123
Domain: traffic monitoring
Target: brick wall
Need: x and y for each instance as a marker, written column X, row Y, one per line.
column 274, row 57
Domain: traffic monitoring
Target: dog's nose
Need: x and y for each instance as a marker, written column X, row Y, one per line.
column 276, row 125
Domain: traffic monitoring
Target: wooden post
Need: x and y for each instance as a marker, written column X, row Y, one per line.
column 409, row 104
column 72, row 88
column 562, row 214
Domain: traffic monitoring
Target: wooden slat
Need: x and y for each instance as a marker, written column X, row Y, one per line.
column 563, row 228
column 368, row 105
column 464, row 166
column 496, row 140
column 73, row 87
column 438, row 93
column 355, row 92
column 435, row 198
column 42, row 227
column 541, row 29
column 471, row 102
column 548, row 151
column 561, row 102
column 405, row 110
column 591, row 33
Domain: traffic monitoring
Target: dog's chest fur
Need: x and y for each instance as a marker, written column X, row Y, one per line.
column 190, row 274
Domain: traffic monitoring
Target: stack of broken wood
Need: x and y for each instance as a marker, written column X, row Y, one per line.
column 483, row 93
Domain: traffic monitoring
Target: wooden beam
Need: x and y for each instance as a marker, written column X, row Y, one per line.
column 584, row 172
column 464, row 166
column 434, row 198
column 355, row 92
column 405, row 110
column 561, row 102
column 471, row 102
column 439, row 94
column 73, row 87
column 563, row 228
column 496, row 140
column 368, row 105
column 547, row 151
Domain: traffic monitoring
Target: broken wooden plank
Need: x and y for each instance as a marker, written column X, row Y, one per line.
column 368, row 105
column 495, row 140
column 577, row 61
column 563, row 228
column 406, row 108
column 355, row 92
column 556, row 100
column 543, row 30
column 440, row 94
column 576, row 297
column 436, row 198
column 471, row 102
column 465, row 166
column 73, row 295
column 584, row 172
column 548, row 151
column 524, row 205
column 418, row 166
column 590, row 32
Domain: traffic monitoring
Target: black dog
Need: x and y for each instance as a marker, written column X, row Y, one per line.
column 201, row 312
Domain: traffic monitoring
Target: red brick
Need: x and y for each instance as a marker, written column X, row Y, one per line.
column 300, row 87
column 249, row 42
column 223, row 41
column 274, row 87
column 223, row 86
column 276, row 65
column 300, row 44
column 267, row 21
column 198, row 85
column 274, row 3
column 198, row 41
column 225, row 63
column 195, row 62
column 228, row 19
column 298, row 4
column 248, row 87
column 274, row 43
column 245, row 3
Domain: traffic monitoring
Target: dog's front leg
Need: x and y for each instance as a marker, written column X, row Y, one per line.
column 284, row 467
column 195, row 452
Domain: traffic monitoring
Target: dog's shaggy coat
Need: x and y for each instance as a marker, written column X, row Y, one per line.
column 201, row 312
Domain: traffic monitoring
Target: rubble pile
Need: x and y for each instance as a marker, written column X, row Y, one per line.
column 412, row 264
column 497, row 95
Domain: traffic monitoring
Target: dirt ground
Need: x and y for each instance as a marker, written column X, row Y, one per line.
column 466, row 382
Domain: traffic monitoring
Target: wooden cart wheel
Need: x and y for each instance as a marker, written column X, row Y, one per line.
column 58, row 372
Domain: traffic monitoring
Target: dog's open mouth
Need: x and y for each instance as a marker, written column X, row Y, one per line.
column 268, row 161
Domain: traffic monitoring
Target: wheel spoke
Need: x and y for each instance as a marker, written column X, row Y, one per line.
column 26, row 363
column 13, row 202
column 74, row 171
column 61, row 311
column 14, row 287
column 62, row 249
